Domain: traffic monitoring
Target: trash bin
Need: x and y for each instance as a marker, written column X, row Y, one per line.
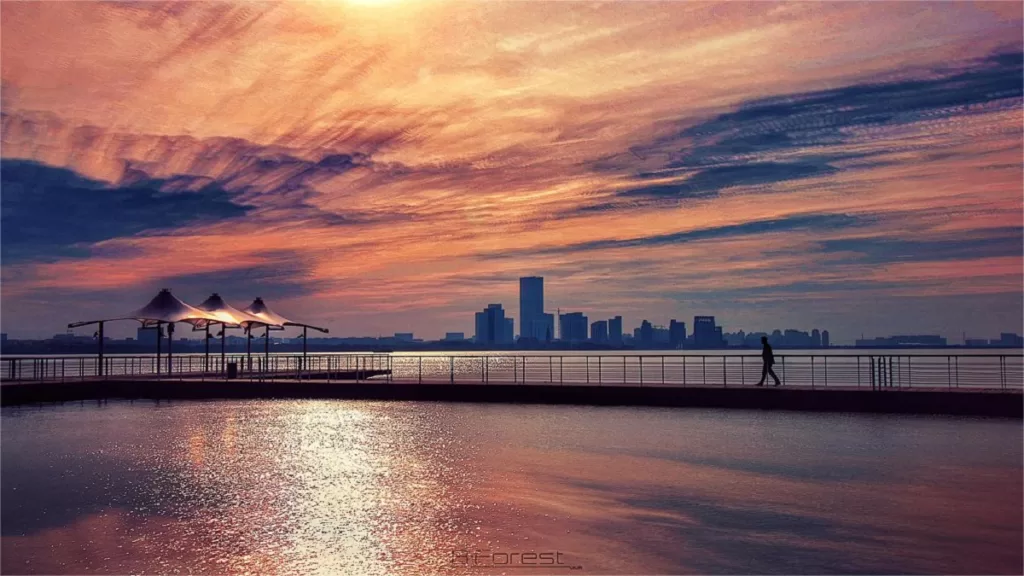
column 232, row 370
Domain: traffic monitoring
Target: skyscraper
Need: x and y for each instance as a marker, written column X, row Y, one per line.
column 492, row 326
column 615, row 330
column 531, row 308
column 676, row 333
column 704, row 333
column 815, row 338
column 824, row 339
column 572, row 327
column 646, row 333
column 599, row 331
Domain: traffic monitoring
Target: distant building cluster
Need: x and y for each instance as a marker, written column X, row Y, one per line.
column 494, row 328
column 1005, row 340
column 540, row 328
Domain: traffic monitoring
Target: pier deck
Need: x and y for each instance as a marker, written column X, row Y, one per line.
column 963, row 402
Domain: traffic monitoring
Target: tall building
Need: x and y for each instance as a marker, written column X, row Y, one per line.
column 572, row 327
column 615, row 330
column 599, row 331
column 676, row 333
column 704, row 333
column 646, row 334
column 815, row 338
column 531, row 308
column 508, row 336
column 546, row 330
column 491, row 327
column 824, row 339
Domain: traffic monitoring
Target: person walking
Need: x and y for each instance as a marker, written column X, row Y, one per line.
column 768, row 357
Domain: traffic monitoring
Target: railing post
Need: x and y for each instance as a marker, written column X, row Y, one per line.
column 599, row 377
column 812, row 371
column 451, row 366
column 623, row 370
column 743, row 374
column 662, row 370
column 640, row 359
column 783, row 368
column 725, row 375
column 956, row 364
column 421, row 370
column 560, row 377
column 704, row 369
column 826, row 371
column 588, row 369
column 551, row 370
column 684, row 370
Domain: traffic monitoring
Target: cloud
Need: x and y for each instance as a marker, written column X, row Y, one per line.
column 880, row 250
column 754, row 228
column 49, row 212
column 810, row 134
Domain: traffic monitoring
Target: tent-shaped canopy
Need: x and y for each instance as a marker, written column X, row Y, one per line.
column 260, row 310
column 163, row 309
column 228, row 314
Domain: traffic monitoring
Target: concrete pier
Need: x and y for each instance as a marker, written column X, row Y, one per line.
column 1007, row 404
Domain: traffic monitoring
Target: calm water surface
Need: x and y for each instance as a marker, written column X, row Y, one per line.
column 339, row 487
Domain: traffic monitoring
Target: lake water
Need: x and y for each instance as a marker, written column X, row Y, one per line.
column 336, row 487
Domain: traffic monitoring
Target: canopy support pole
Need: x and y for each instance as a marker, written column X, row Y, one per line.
column 266, row 350
column 248, row 349
column 304, row 347
column 159, row 335
column 206, row 359
column 99, row 368
column 170, row 339
column 223, row 335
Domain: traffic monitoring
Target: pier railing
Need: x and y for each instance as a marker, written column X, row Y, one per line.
column 875, row 371
column 347, row 367
column 885, row 371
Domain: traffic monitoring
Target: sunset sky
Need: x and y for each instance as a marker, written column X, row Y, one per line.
column 396, row 165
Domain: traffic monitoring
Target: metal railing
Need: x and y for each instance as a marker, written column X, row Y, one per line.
column 885, row 371
column 346, row 367
column 875, row 371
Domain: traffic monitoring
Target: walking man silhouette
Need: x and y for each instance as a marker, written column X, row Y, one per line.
column 768, row 357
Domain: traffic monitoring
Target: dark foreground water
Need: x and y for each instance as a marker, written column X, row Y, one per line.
column 339, row 487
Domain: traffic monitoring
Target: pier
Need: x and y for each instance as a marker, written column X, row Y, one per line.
column 960, row 384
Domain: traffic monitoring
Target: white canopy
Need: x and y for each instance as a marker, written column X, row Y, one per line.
column 265, row 314
column 260, row 310
column 164, row 308
column 228, row 314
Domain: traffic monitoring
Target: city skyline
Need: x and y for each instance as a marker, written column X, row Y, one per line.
column 392, row 168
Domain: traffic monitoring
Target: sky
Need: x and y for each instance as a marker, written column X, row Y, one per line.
column 396, row 165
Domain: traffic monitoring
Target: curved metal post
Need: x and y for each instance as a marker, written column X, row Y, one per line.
column 266, row 348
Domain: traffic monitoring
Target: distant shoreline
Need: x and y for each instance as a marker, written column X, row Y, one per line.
column 44, row 348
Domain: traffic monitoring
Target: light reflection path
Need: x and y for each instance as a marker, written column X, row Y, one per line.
column 343, row 487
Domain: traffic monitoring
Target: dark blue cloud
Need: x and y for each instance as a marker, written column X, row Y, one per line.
column 709, row 181
column 47, row 211
column 757, row 227
column 285, row 275
column 733, row 149
column 996, row 242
